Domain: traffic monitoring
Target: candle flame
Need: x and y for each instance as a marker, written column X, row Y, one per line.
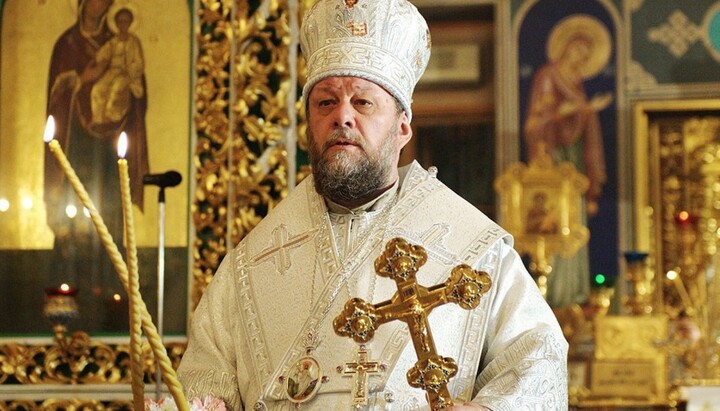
column 64, row 287
column 122, row 145
column 672, row 275
column 49, row 129
column 117, row 297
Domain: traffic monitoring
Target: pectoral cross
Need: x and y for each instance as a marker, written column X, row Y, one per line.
column 411, row 304
column 361, row 370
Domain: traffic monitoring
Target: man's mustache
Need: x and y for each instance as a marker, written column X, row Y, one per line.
column 346, row 136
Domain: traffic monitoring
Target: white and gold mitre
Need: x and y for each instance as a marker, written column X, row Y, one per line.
column 384, row 41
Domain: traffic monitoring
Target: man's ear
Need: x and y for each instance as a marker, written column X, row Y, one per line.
column 405, row 131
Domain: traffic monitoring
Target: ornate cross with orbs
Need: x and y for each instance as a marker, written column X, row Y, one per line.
column 411, row 304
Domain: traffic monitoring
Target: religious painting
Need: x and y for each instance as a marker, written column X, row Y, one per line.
column 304, row 380
column 542, row 216
column 567, row 99
column 99, row 68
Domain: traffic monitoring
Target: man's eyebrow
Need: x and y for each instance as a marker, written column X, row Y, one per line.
column 363, row 88
column 327, row 88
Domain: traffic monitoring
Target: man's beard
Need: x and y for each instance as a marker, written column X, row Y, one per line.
column 347, row 176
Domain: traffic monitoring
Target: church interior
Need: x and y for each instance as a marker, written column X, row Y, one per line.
column 615, row 206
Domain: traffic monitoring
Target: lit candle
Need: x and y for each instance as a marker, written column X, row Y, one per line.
column 133, row 277
column 106, row 239
column 129, row 225
column 100, row 227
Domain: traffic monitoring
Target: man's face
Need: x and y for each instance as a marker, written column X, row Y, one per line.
column 355, row 134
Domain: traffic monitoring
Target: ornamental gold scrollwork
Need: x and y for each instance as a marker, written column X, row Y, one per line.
column 303, row 170
column 241, row 99
column 76, row 360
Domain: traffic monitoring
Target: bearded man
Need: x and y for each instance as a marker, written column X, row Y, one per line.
column 271, row 305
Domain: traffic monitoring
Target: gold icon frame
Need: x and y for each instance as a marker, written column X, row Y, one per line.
column 563, row 186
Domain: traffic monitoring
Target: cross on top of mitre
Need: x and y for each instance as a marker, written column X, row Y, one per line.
column 411, row 304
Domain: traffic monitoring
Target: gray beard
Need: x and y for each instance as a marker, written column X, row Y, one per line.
column 345, row 177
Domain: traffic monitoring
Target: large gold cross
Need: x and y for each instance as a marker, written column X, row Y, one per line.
column 411, row 304
column 361, row 370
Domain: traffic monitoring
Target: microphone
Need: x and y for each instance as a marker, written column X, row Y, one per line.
column 167, row 179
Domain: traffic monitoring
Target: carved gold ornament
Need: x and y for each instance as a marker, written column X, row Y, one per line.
column 241, row 117
column 77, row 359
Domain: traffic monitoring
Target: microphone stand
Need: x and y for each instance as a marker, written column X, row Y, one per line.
column 168, row 179
column 161, row 283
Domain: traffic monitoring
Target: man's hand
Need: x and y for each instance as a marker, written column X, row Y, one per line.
column 468, row 406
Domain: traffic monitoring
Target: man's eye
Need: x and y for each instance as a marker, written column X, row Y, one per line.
column 324, row 103
column 363, row 102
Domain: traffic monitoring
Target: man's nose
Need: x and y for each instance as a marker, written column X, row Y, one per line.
column 345, row 115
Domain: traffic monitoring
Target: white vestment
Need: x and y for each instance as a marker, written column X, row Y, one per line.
column 294, row 272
